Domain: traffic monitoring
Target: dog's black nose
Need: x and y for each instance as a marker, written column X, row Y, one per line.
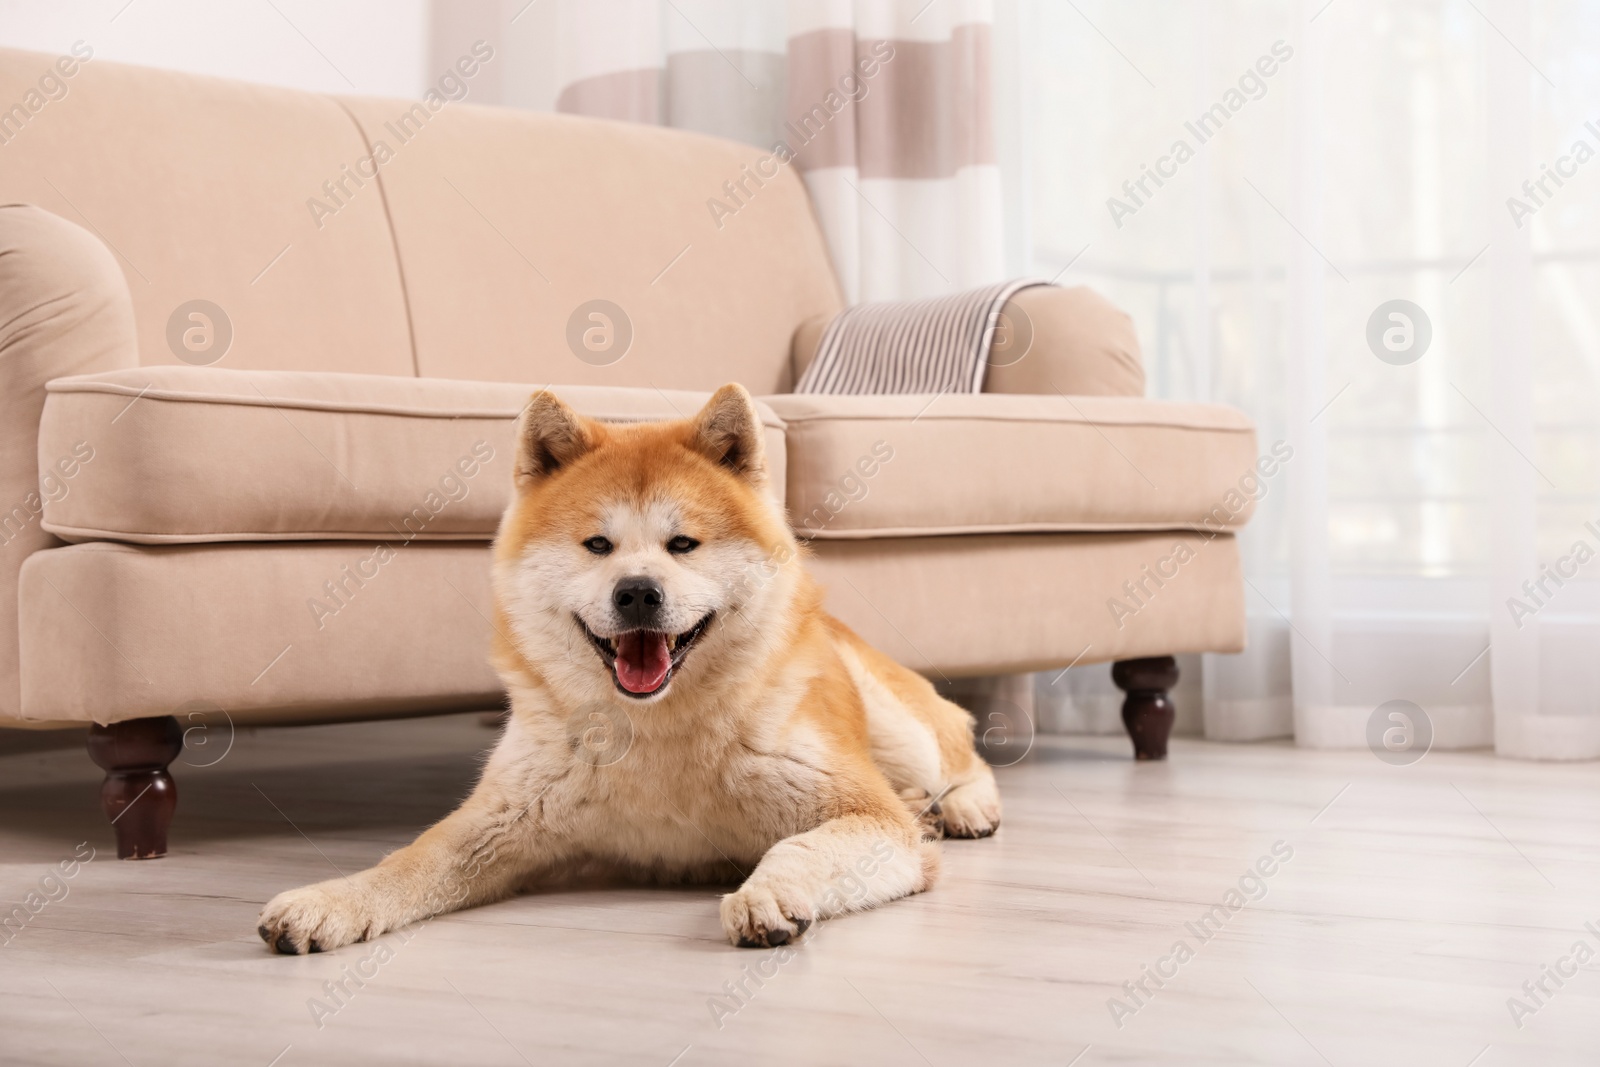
column 638, row 601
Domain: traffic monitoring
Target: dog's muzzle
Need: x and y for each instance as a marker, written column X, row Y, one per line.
column 642, row 661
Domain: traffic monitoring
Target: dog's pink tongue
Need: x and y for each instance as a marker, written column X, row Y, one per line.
column 642, row 661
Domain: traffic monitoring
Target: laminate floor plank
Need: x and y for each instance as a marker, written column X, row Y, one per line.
column 1416, row 902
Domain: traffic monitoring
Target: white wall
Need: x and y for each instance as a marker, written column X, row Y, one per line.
column 369, row 47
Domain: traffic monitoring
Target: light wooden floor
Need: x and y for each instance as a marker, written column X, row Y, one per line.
column 1417, row 901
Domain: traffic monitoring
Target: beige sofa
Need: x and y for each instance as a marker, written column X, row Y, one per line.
column 278, row 503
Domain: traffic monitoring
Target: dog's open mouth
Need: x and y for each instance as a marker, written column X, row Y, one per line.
column 642, row 661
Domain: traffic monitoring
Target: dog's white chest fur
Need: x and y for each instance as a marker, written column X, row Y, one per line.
column 675, row 800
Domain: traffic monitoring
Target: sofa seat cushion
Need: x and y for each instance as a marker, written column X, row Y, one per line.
column 175, row 455
column 906, row 466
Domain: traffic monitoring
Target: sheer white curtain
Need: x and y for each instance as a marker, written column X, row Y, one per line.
column 1427, row 542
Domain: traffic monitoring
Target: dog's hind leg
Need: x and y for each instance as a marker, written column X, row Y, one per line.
column 921, row 741
column 971, row 808
column 849, row 863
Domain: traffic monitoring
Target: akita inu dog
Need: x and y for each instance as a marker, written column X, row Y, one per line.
column 682, row 708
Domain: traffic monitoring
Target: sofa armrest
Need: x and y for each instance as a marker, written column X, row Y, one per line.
column 1053, row 340
column 1072, row 341
column 64, row 309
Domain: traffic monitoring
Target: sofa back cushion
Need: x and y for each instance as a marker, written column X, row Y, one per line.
column 553, row 248
column 436, row 239
column 199, row 187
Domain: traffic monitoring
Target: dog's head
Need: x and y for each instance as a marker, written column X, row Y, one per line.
column 630, row 552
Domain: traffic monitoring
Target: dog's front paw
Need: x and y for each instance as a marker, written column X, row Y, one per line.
column 761, row 914
column 317, row 918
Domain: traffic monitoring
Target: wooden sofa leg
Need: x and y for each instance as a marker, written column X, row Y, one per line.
column 138, row 795
column 1147, row 712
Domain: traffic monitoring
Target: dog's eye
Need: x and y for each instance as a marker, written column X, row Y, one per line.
column 681, row 544
column 598, row 545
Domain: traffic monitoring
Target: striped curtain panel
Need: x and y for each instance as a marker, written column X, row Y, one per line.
column 885, row 109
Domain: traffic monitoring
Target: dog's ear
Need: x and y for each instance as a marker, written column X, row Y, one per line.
column 728, row 430
column 550, row 435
